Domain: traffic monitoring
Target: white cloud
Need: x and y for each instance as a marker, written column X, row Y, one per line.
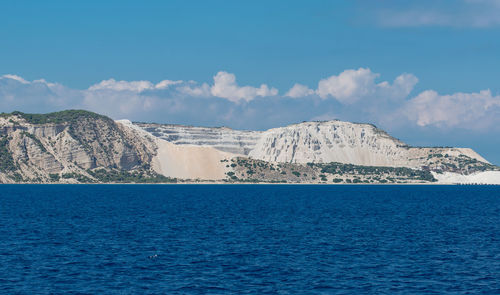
column 299, row 90
column 351, row 86
column 463, row 13
column 466, row 110
column 112, row 84
column 134, row 86
column 167, row 83
column 401, row 87
column 17, row 93
column 14, row 77
column 361, row 99
column 192, row 89
column 225, row 86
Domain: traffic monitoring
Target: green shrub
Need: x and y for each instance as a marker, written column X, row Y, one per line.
column 123, row 176
column 54, row 177
column 59, row 117
column 6, row 160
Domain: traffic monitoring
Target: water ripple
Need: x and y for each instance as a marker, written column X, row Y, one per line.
column 249, row 239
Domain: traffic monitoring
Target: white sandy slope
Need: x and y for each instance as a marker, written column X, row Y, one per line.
column 190, row 162
column 185, row 161
column 487, row 177
column 319, row 142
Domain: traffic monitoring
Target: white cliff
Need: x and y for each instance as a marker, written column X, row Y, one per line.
column 314, row 142
column 239, row 142
column 332, row 141
column 186, row 161
column 82, row 147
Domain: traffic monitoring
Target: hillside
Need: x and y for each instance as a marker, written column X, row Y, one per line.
column 324, row 142
column 77, row 146
column 70, row 146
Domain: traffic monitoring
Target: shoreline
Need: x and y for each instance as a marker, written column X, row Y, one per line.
column 263, row 183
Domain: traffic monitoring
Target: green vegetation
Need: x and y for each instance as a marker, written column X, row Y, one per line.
column 339, row 168
column 56, row 117
column 54, row 177
column 6, row 160
column 231, row 175
column 325, row 172
column 78, row 177
column 470, row 165
column 122, row 176
column 17, row 177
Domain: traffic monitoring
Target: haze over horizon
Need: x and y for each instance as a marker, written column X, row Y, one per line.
column 425, row 72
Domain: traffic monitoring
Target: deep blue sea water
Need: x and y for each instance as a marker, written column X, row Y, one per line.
column 249, row 239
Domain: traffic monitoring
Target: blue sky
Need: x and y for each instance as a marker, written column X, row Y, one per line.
column 426, row 71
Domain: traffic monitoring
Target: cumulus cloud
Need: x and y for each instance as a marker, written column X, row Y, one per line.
column 351, row 86
column 225, row 86
column 192, row 89
column 135, row 86
column 353, row 95
column 470, row 110
column 17, row 93
column 401, row 87
column 167, row 83
column 299, row 90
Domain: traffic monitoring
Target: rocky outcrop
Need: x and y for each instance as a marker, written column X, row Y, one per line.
column 322, row 142
column 333, row 141
column 84, row 147
column 39, row 148
column 239, row 142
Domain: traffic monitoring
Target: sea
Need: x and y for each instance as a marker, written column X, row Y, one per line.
column 249, row 239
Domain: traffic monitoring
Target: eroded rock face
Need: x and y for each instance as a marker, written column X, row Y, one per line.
column 239, row 142
column 72, row 146
column 30, row 152
column 315, row 142
column 324, row 142
column 34, row 151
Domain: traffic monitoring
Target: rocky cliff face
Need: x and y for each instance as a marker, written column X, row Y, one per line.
column 84, row 147
column 324, row 142
column 321, row 142
column 36, row 148
column 239, row 142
